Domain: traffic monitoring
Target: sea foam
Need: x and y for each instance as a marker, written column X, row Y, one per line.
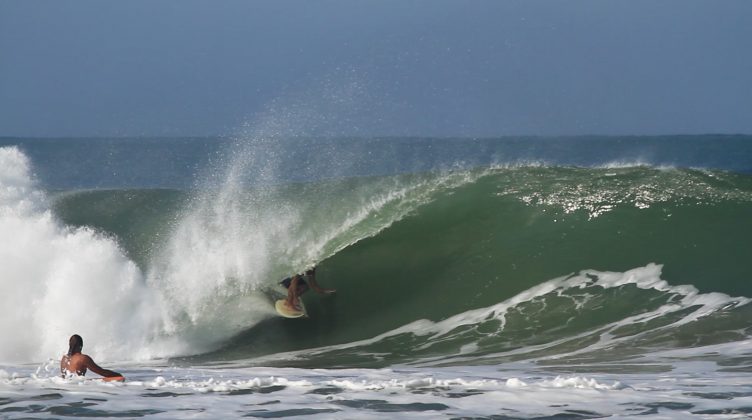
column 56, row 280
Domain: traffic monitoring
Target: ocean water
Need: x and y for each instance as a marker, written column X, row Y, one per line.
column 578, row 277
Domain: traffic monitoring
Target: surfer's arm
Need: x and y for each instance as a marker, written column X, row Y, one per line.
column 318, row 289
column 98, row 369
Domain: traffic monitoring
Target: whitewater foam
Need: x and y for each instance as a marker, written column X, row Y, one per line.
column 376, row 393
column 56, row 280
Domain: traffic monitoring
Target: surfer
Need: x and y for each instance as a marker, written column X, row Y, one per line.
column 299, row 284
column 77, row 363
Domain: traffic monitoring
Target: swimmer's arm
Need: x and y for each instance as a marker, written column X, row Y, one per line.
column 63, row 366
column 99, row 370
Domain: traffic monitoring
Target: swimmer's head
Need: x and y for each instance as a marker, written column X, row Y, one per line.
column 75, row 344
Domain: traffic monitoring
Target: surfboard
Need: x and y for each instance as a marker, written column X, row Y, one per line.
column 288, row 312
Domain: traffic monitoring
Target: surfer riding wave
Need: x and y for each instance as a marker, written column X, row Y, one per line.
column 299, row 284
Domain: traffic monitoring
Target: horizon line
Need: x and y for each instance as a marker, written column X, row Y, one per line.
column 231, row 137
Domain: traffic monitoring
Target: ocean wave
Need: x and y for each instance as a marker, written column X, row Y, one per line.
column 418, row 260
column 560, row 319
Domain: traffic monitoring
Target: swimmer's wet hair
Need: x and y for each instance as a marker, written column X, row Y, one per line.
column 76, row 343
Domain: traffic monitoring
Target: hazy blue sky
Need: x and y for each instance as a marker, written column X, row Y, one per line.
column 431, row 67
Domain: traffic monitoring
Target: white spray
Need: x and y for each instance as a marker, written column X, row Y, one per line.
column 56, row 281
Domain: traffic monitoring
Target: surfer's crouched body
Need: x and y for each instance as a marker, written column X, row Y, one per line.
column 299, row 284
column 76, row 363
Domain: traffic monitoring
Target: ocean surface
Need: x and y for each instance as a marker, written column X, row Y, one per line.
column 518, row 277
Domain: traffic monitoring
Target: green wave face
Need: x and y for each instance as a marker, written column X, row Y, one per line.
column 484, row 266
column 139, row 219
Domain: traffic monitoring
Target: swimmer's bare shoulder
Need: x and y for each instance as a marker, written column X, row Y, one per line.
column 78, row 363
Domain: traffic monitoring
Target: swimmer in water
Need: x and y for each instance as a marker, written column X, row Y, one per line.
column 76, row 363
